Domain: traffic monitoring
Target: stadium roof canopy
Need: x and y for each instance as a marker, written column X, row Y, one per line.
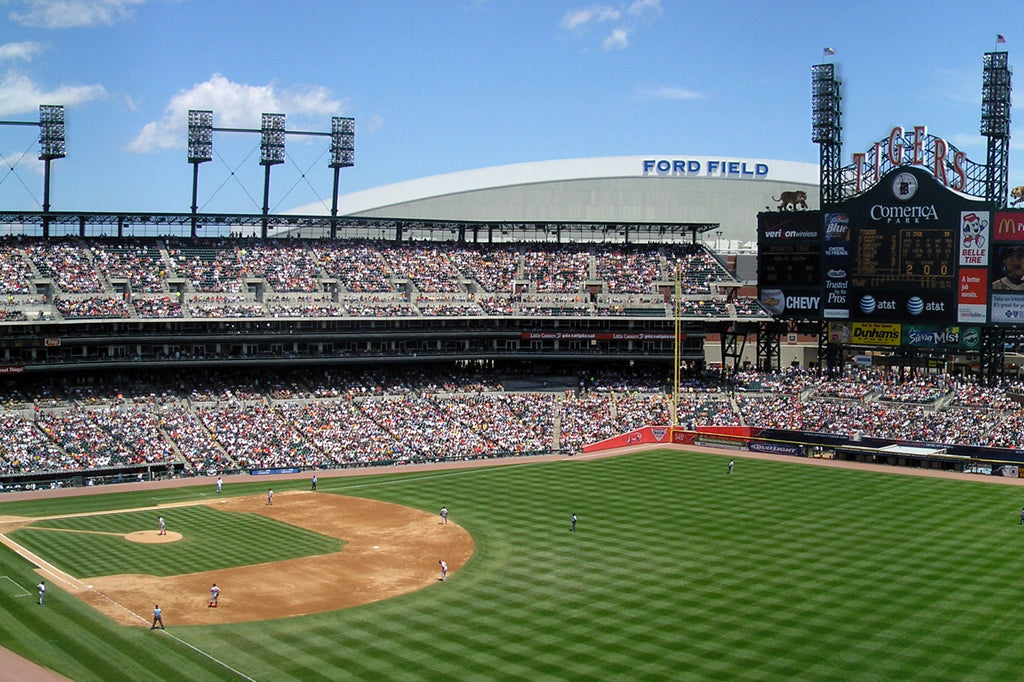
column 723, row 191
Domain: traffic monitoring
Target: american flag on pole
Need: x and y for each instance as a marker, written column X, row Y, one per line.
column 1000, row 38
column 828, row 51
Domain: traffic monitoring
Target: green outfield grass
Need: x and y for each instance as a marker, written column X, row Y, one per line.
column 212, row 540
column 779, row 571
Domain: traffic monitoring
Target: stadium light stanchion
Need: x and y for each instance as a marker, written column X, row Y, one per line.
column 51, row 146
column 200, row 150
column 271, row 153
column 343, row 155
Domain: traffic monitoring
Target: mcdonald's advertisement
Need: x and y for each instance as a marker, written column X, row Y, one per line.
column 1006, row 277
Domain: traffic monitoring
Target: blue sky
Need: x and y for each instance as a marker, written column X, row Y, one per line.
column 453, row 85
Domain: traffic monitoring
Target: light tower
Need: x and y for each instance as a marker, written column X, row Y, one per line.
column 827, row 131
column 271, row 153
column 343, row 155
column 996, row 85
column 200, row 150
column 51, row 146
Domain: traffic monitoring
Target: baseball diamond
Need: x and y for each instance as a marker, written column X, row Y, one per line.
column 669, row 568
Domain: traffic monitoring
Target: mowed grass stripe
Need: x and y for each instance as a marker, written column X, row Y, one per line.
column 212, row 540
column 678, row 571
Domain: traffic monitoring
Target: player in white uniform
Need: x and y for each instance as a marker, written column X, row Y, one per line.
column 444, row 570
column 214, row 595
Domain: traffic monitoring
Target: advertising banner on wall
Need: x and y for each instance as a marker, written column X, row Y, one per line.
column 948, row 337
column 875, row 334
column 1006, row 275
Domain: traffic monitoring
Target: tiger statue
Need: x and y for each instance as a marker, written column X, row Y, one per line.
column 796, row 199
column 1017, row 195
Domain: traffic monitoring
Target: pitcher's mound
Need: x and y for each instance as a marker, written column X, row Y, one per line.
column 153, row 536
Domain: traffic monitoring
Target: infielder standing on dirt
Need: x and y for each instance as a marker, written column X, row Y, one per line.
column 444, row 570
column 214, row 595
column 444, row 515
column 270, row 498
column 158, row 617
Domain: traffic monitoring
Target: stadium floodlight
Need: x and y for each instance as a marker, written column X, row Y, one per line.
column 51, row 132
column 343, row 142
column 343, row 155
column 997, row 86
column 200, row 136
column 272, row 140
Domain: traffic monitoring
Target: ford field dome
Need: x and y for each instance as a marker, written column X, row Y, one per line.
column 723, row 191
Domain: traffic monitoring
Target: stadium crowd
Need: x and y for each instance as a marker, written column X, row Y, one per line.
column 100, row 278
column 336, row 418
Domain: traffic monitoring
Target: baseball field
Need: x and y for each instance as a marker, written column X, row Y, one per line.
column 678, row 570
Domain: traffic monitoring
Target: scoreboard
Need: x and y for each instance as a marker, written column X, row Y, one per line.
column 908, row 250
column 902, row 257
column 789, row 259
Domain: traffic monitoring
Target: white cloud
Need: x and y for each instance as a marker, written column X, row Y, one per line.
column 627, row 18
column 645, row 8
column 617, row 39
column 18, row 94
column 375, row 123
column 58, row 14
column 966, row 140
column 577, row 18
column 23, row 51
column 669, row 92
column 234, row 105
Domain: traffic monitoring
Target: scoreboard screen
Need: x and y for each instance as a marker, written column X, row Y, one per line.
column 904, row 257
column 796, row 264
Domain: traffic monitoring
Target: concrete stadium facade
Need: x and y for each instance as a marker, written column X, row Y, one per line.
column 724, row 191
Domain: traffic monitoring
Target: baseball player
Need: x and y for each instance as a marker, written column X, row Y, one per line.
column 444, row 515
column 41, row 587
column 444, row 570
column 214, row 595
column 270, row 498
column 573, row 528
column 163, row 527
column 220, row 484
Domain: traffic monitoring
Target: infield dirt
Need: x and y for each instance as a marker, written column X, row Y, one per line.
column 389, row 550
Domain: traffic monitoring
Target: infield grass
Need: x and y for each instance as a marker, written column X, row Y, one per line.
column 212, row 540
column 678, row 571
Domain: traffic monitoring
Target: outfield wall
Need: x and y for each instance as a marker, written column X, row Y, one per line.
column 958, row 458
